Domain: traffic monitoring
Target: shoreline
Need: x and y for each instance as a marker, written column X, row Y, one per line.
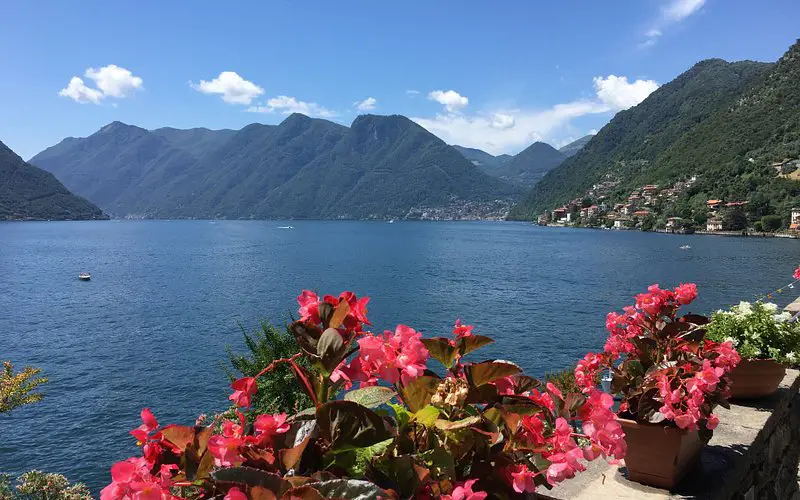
column 734, row 234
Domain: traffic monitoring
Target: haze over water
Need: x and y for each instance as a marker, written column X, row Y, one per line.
column 165, row 297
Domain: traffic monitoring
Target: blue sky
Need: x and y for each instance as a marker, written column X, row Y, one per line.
column 493, row 75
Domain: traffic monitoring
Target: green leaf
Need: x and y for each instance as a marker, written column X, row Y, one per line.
column 355, row 461
column 468, row 344
column 441, row 350
column 427, row 416
column 440, row 463
column 251, row 477
column 371, row 397
column 402, row 414
column 520, row 405
column 353, row 489
column 489, row 371
column 331, row 348
column 348, row 425
column 447, row 425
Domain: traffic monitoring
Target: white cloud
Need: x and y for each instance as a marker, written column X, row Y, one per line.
column 653, row 33
column 412, row 93
column 509, row 130
column 450, row 99
column 592, row 132
column 79, row 92
column 288, row 105
column 114, row 81
column 111, row 81
column 367, row 104
column 678, row 10
column 502, row 121
column 233, row 88
column 617, row 93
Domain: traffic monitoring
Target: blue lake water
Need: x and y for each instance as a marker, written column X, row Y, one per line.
column 165, row 298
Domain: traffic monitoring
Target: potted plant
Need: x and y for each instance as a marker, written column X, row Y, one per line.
column 765, row 339
column 668, row 377
column 471, row 430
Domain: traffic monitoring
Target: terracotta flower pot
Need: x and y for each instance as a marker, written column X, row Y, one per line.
column 659, row 455
column 755, row 378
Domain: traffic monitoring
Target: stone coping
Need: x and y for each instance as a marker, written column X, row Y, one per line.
column 735, row 454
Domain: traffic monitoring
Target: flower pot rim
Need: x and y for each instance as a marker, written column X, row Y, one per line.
column 666, row 424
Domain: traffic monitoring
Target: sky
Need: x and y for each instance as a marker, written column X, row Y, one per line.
column 491, row 75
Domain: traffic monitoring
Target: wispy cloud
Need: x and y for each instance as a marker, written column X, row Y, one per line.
column 288, row 105
column 367, row 104
column 507, row 130
column 673, row 12
column 233, row 88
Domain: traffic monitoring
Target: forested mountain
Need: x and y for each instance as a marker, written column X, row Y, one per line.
column 573, row 147
column 485, row 161
column 633, row 146
column 380, row 167
column 27, row 192
column 523, row 169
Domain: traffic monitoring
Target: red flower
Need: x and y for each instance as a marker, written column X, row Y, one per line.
column 225, row 450
column 685, row 293
column 243, row 391
column 522, row 479
column 460, row 330
column 235, row 494
column 269, row 426
column 796, row 274
column 463, row 491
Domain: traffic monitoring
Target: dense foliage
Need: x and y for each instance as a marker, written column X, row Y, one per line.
column 37, row 485
column 481, row 429
column 758, row 331
column 19, row 389
column 650, row 143
column 662, row 365
column 279, row 391
column 27, row 192
column 573, row 147
column 381, row 166
column 530, row 164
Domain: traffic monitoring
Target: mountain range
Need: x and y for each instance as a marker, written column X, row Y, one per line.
column 30, row 193
column 724, row 123
column 379, row 167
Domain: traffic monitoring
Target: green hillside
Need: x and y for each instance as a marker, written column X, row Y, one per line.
column 27, row 192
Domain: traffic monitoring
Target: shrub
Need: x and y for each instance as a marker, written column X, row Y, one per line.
column 485, row 428
column 279, row 390
column 771, row 223
column 662, row 365
column 17, row 389
column 758, row 331
column 37, row 485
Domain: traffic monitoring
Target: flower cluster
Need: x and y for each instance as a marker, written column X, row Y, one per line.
column 662, row 364
column 758, row 331
column 483, row 429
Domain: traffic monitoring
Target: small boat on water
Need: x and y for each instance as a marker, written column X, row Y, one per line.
column 285, row 227
column 685, row 247
column 391, row 221
column 84, row 276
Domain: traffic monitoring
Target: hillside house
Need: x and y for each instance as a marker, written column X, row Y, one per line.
column 795, row 220
column 622, row 222
column 714, row 224
column 713, row 204
column 626, row 209
column 732, row 204
column 560, row 214
column 674, row 223
column 641, row 213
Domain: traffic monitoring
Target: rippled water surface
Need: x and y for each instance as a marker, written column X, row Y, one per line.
column 165, row 298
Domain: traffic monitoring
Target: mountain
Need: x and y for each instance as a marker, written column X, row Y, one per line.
column 523, row 169
column 481, row 159
column 27, row 192
column 631, row 147
column 573, row 147
column 379, row 167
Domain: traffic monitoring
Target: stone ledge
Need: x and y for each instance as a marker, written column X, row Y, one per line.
column 753, row 455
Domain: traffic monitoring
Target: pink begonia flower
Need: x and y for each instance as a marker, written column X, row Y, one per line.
column 463, row 491
column 552, row 389
column 235, row 494
column 522, row 479
column 796, row 274
column 309, row 306
column 243, row 391
column 225, row 450
column 269, row 426
column 505, row 385
column 131, row 479
column 460, row 330
column 712, row 422
column 685, row 293
column 395, row 357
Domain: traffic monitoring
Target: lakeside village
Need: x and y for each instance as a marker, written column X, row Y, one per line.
column 653, row 208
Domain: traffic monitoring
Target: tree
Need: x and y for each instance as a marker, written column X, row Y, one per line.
column 278, row 390
column 17, row 389
column 648, row 223
column 771, row 223
column 758, row 227
column 734, row 220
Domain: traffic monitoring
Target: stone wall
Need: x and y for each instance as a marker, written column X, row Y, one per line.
column 753, row 455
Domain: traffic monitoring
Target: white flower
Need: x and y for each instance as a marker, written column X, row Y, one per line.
column 770, row 307
column 791, row 357
column 743, row 309
column 732, row 341
column 783, row 317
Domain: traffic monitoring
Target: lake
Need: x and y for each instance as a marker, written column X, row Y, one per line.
column 151, row 327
